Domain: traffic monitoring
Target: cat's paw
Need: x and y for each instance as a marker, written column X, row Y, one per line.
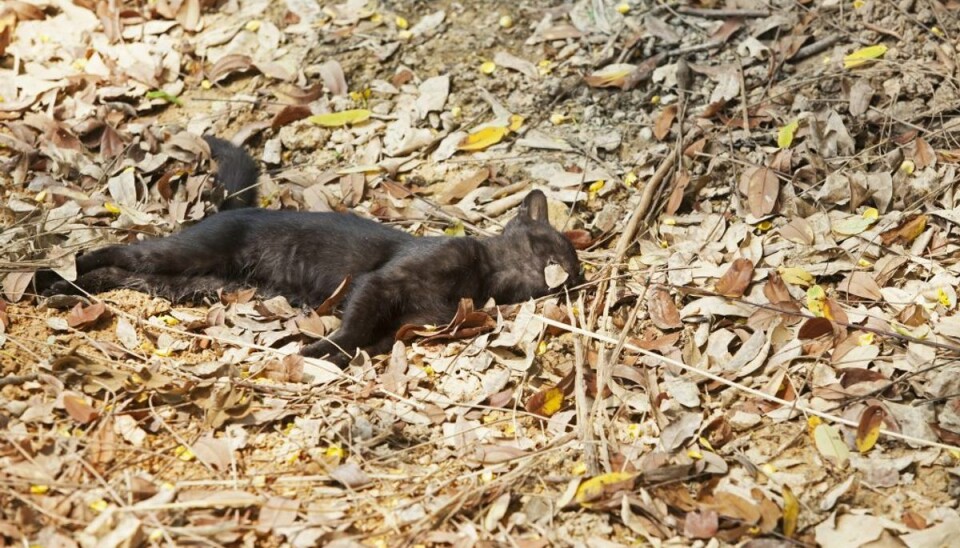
column 61, row 287
column 328, row 351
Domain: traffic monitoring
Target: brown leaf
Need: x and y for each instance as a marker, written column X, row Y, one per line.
column 545, row 402
column 814, row 328
column 81, row 317
column 868, row 429
column 111, row 142
column 680, row 183
column 703, row 524
column 662, row 126
column 861, row 284
column 78, row 408
column 302, row 96
column 798, row 231
column 328, row 306
column 466, row 324
column 775, row 290
column 735, row 280
column 906, row 231
column 464, row 185
column 288, row 115
column 229, row 64
column 663, row 311
column 923, row 154
column 762, row 190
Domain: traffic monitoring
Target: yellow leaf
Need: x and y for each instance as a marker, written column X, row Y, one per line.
column 401, row 22
column 795, row 276
column 340, row 119
column 791, row 512
column 853, row 225
column 830, row 445
column 483, row 138
column 455, row 230
column 786, row 133
column 871, row 213
column 594, row 488
column 868, row 429
column 39, row 489
column 516, row 122
column 552, row 402
column 861, row 56
column 816, row 301
column 112, row 208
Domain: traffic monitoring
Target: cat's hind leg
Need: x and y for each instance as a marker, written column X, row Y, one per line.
column 176, row 288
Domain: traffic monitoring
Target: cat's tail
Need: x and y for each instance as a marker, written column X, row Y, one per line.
column 237, row 171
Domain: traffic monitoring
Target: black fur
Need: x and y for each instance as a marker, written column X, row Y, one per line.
column 396, row 278
column 236, row 171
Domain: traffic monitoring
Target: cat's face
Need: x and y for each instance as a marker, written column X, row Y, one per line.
column 535, row 249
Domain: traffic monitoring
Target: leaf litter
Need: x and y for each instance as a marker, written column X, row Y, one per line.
column 767, row 360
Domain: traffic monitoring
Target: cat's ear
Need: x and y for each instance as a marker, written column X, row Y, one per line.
column 534, row 207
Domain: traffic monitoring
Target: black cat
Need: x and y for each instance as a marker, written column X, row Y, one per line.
column 396, row 278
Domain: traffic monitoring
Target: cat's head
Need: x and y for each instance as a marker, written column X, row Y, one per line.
column 531, row 256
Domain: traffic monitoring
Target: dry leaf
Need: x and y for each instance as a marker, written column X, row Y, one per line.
column 736, row 279
column 906, row 232
column 662, row 127
column 81, row 317
column 78, row 408
column 762, row 190
column 663, row 311
column 483, row 138
column 612, row 76
column 601, row 487
column 830, row 445
column 868, row 429
column 791, row 512
column 340, row 119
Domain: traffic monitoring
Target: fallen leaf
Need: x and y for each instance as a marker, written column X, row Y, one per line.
column 599, row 487
column 785, row 134
column 483, row 138
column 546, row 402
column 555, row 276
column 340, row 119
column 864, row 55
column 830, row 445
column 15, row 284
column 868, row 429
column 762, row 190
column 663, row 311
column 906, row 231
column 662, row 126
column 736, row 279
column 78, row 408
column 791, row 512
column 703, row 524
column 81, row 317
column 616, row 75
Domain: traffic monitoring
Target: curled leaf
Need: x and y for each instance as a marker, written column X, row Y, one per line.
column 862, row 56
